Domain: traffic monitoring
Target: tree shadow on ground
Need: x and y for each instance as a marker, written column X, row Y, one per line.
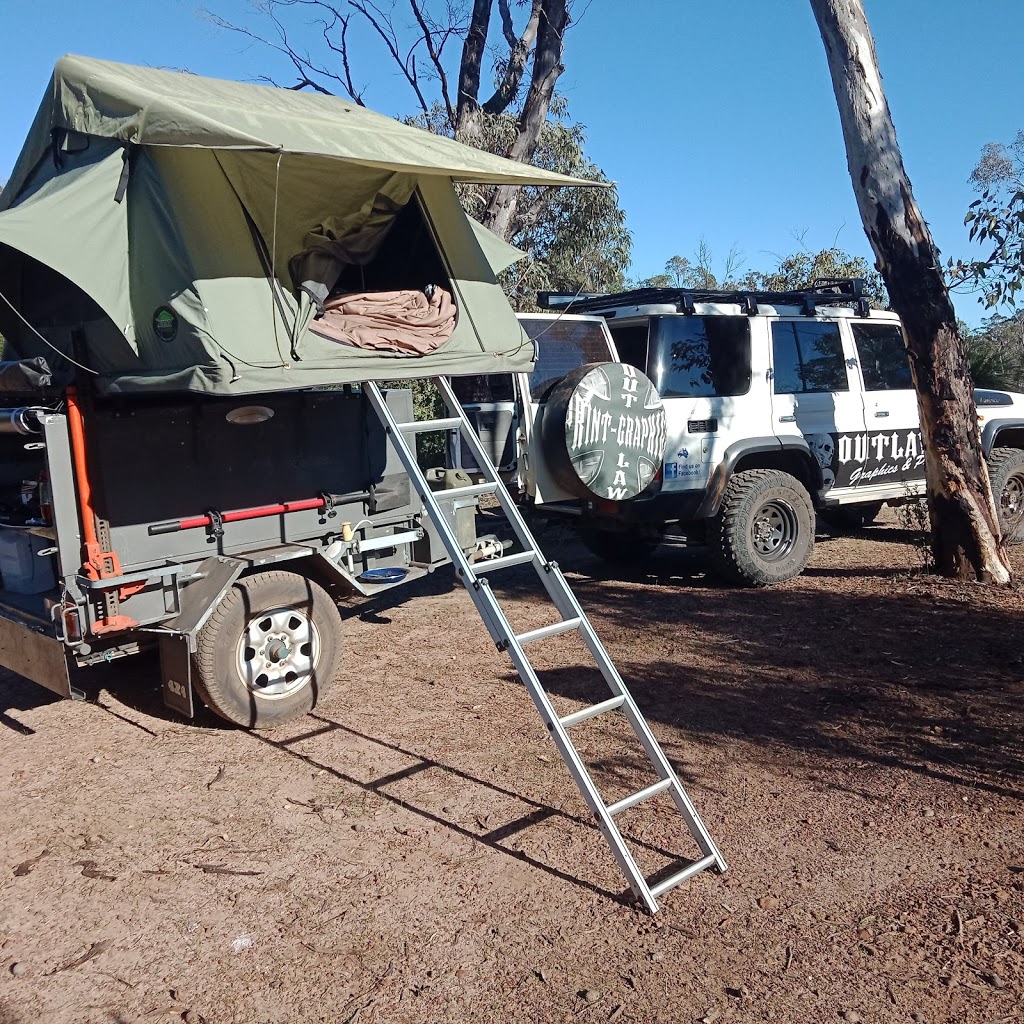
column 927, row 682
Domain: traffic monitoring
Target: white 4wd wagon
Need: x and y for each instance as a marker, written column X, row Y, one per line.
column 778, row 405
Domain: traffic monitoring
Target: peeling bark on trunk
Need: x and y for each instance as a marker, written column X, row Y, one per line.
column 965, row 531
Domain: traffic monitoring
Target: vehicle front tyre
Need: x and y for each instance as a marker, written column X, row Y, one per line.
column 619, row 547
column 850, row 518
column 269, row 651
column 1006, row 477
column 764, row 531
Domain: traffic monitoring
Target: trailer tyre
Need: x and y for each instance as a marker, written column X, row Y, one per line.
column 269, row 651
column 764, row 532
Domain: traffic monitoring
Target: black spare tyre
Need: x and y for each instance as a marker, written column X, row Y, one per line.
column 603, row 431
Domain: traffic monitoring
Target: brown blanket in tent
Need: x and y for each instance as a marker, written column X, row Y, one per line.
column 403, row 321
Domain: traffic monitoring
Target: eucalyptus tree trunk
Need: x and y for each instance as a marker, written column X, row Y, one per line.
column 965, row 530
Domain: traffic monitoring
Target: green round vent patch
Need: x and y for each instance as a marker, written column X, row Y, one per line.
column 165, row 324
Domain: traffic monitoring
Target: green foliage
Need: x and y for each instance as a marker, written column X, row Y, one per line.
column 996, row 220
column 996, row 352
column 801, row 268
column 790, row 273
column 426, row 405
column 575, row 238
column 681, row 272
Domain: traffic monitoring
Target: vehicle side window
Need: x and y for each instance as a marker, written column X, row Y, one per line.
column 701, row 356
column 563, row 345
column 883, row 357
column 807, row 357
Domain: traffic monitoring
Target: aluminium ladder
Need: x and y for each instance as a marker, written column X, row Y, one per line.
column 572, row 619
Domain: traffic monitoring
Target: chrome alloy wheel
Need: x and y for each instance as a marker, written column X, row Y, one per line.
column 1011, row 501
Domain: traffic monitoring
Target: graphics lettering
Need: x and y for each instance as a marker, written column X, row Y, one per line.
column 615, row 431
column 868, row 457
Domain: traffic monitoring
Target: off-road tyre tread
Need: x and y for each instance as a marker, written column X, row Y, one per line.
column 728, row 532
column 216, row 692
column 999, row 460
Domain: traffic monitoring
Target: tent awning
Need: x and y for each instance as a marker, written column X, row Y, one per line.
column 152, row 107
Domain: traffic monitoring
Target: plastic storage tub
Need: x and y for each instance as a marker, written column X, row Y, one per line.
column 22, row 568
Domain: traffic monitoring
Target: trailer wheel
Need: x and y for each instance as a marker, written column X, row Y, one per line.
column 269, row 651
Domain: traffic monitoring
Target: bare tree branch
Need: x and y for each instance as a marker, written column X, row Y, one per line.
column 472, row 57
column 434, row 53
column 547, row 66
column 302, row 62
column 341, row 49
column 507, row 28
column 519, row 55
column 386, row 30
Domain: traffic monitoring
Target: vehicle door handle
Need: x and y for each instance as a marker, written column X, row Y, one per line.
column 787, row 419
column 881, row 412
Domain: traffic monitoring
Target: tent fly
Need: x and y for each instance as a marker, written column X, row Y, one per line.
column 194, row 264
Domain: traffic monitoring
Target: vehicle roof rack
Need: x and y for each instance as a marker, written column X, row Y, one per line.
column 823, row 291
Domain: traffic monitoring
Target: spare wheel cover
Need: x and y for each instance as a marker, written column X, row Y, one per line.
column 603, row 431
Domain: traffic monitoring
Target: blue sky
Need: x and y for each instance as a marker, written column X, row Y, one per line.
column 717, row 119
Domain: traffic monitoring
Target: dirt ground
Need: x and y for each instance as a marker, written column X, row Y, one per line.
column 416, row 852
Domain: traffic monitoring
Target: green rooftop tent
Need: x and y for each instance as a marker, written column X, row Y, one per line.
column 172, row 232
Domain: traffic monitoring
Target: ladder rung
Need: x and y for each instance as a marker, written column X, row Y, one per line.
column 469, row 491
column 545, row 631
column 643, row 794
column 419, row 426
column 681, row 876
column 504, row 561
column 597, row 709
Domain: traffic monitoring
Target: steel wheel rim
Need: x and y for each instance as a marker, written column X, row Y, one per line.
column 1011, row 501
column 277, row 653
column 774, row 530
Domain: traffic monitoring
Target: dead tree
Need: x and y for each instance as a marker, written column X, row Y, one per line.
column 965, row 530
column 420, row 51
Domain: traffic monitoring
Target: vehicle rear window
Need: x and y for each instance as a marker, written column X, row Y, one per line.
column 807, row 358
column 700, row 356
column 563, row 345
column 631, row 343
column 883, row 357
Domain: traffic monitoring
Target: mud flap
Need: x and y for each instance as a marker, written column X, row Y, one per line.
column 176, row 673
column 31, row 653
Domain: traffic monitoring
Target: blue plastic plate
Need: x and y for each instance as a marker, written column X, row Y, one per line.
column 387, row 575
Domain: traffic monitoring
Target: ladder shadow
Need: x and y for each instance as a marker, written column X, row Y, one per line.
column 493, row 839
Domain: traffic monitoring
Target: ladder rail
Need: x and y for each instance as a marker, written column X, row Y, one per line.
column 643, row 731
column 509, row 507
column 573, row 618
column 627, row 864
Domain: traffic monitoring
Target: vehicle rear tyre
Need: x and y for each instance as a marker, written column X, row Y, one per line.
column 269, row 651
column 1006, row 476
column 617, row 547
column 764, row 532
column 850, row 518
